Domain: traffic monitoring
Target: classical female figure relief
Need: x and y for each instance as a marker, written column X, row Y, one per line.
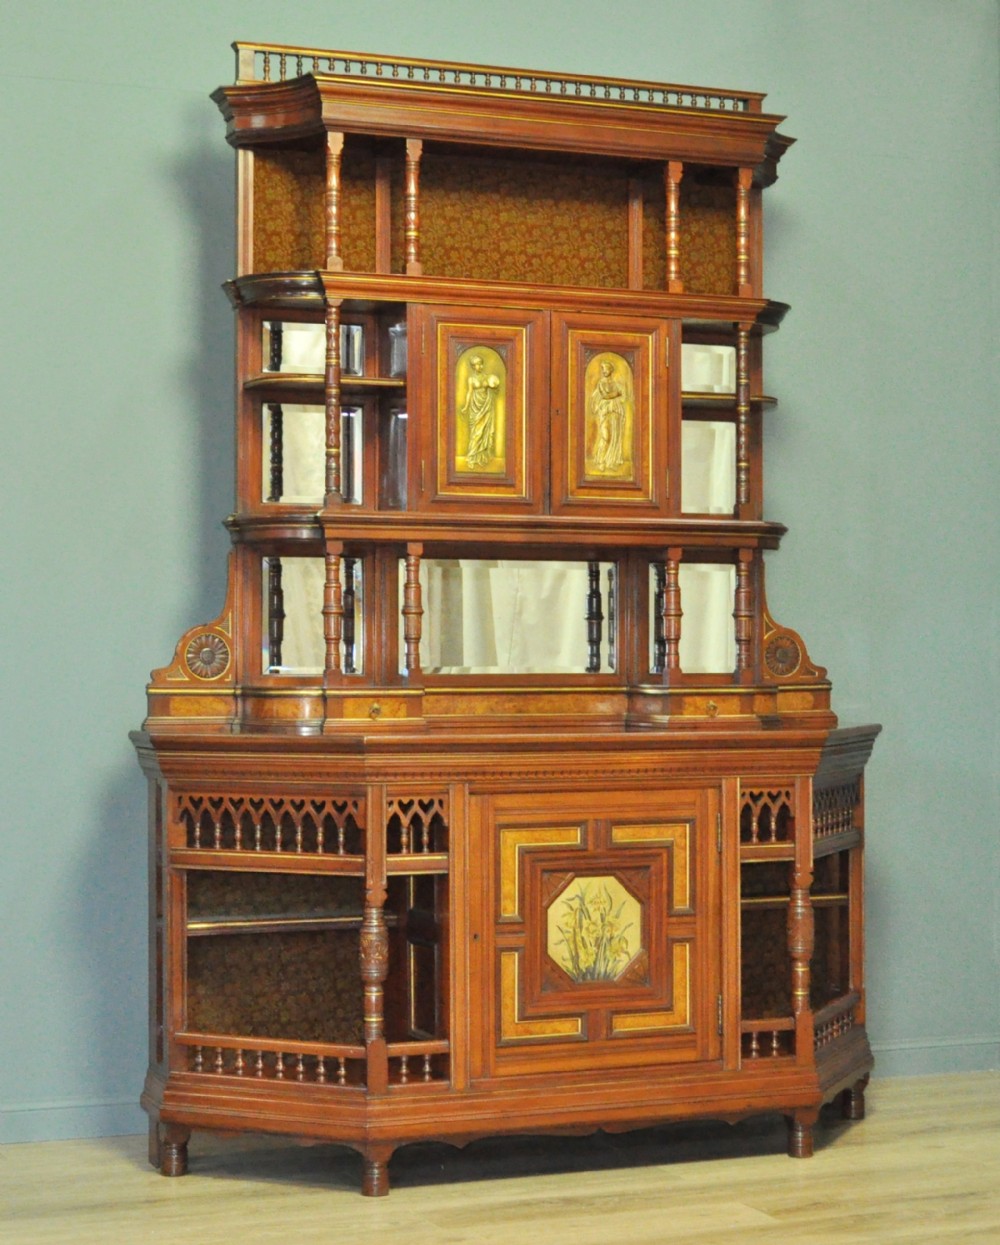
column 610, row 412
column 480, row 392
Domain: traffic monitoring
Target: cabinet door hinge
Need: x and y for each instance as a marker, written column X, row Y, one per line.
column 718, row 832
column 718, row 1005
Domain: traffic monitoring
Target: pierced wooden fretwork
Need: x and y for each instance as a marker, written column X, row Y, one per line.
column 767, row 816
column 416, row 825
column 831, row 1027
column 312, row 825
column 834, row 809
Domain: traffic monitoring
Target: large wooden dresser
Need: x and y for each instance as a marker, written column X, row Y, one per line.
column 495, row 799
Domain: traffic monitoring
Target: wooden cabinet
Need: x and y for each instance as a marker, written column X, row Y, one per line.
column 496, row 799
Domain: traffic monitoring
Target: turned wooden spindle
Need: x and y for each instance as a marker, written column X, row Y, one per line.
column 332, row 386
column 411, row 227
column 275, row 613
column 374, row 965
column 276, row 445
column 412, row 609
column 674, row 173
column 672, row 612
column 333, row 607
column 744, row 180
column 743, row 610
column 347, row 464
column 801, row 935
column 334, row 152
column 274, row 354
column 612, row 620
column 659, row 601
column 595, row 618
column 743, row 414
column 350, row 601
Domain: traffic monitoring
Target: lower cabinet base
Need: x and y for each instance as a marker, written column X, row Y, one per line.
column 376, row 1128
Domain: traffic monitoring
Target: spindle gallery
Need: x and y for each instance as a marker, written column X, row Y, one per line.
column 496, row 799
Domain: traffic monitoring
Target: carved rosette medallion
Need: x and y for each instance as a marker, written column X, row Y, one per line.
column 207, row 655
column 782, row 655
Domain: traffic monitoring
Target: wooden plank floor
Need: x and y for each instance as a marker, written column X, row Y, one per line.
column 923, row 1167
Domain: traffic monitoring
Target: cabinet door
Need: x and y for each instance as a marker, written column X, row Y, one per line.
column 610, row 433
column 482, row 408
column 599, row 931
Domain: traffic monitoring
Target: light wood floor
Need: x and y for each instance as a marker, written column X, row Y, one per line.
column 923, row 1167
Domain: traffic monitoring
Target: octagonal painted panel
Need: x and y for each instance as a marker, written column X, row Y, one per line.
column 594, row 928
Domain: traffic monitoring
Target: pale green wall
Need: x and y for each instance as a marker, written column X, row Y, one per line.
column 116, row 200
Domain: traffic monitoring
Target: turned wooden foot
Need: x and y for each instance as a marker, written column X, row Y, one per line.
column 173, row 1150
column 375, row 1171
column 852, row 1103
column 800, row 1133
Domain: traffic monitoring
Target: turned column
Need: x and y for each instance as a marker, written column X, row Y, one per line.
column 411, row 227
column 672, row 612
column 333, row 607
column 332, row 388
column 743, row 612
column 674, row 173
column 742, row 414
column 744, row 180
column 334, row 152
column 595, row 618
column 413, row 610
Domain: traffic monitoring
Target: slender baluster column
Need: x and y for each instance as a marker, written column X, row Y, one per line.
column 333, row 607
column 332, row 385
column 414, row 150
column 659, row 603
column 275, row 613
column 334, row 152
column 801, row 934
column 350, row 600
column 672, row 611
column 674, row 173
column 595, row 618
column 277, row 451
column 612, row 619
column 413, row 609
column 744, row 180
column 743, row 611
column 743, row 414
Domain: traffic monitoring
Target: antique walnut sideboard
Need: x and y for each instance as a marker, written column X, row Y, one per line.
column 495, row 798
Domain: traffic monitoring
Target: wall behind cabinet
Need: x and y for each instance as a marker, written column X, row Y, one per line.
column 882, row 456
